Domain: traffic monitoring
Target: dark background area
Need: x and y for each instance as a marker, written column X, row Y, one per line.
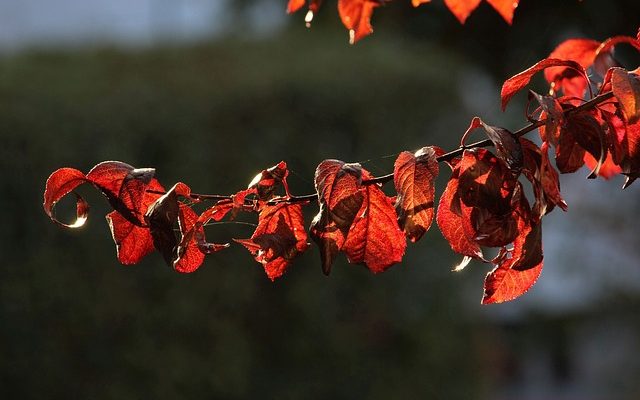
column 213, row 113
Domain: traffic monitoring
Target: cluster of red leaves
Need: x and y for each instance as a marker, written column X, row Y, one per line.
column 356, row 14
column 483, row 205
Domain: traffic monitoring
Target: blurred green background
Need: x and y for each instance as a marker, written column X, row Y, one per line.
column 213, row 112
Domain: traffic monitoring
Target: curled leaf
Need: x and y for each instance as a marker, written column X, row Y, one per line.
column 59, row 184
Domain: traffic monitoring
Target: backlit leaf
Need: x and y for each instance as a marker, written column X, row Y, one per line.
column 279, row 238
column 517, row 82
column 414, row 175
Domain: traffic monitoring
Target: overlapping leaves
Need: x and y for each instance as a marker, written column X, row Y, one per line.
column 591, row 115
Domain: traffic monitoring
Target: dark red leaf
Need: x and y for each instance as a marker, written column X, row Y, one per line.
column 626, row 88
column 552, row 113
column 550, row 181
column 161, row 217
column 505, row 284
column 356, row 17
column 59, row 184
column 414, row 176
column 278, row 239
column 569, row 154
column 267, row 181
column 517, row 82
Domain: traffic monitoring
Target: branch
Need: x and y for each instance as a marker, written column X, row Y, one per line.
column 601, row 98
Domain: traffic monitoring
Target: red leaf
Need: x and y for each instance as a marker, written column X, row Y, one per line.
column 133, row 242
column 626, row 88
column 190, row 257
column 416, row 3
column 505, row 284
column 462, row 8
column 375, row 239
column 124, row 186
column 505, row 8
column 414, row 176
column 552, row 113
column 607, row 170
column 278, row 239
column 267, row 181
column 295, row 5
column 59, row 184
column 358, row 219
column 356, row 17
column 514, row 84
column 449, row 220
column 337, row 186
column 518, row 269
column 583, row 52
column 569, row 154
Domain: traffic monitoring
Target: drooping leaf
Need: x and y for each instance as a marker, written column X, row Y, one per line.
column 356, row 218
column 550, row 181
column 133, row 241
column 279, row 238
column 505, row 8
column 589, row 134
column 449, row 219
column 189, row 257
column 295, row 5
column 161, row 217
column 518, row 269
column 340, row 200
column 626, row 88
column 517, row 82
column 569, row 154
column 356, row 17
column 505, row 284
column 414, row 175
column 486, row 186
column 462, row 8
column 375, row 238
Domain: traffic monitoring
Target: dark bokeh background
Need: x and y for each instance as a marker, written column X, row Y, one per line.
column 212, row 113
